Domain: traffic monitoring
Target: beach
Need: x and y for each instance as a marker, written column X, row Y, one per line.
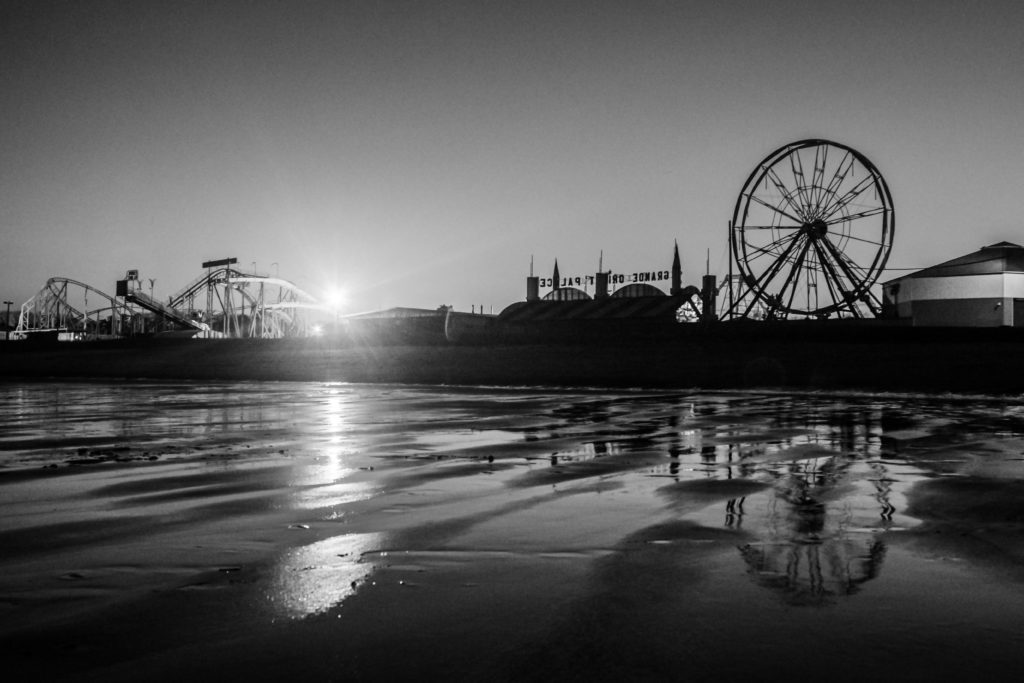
column 158, row 530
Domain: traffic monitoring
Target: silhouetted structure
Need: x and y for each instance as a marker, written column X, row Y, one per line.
column 982, row 289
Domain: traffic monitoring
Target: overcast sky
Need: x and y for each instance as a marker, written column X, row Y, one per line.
column 420, row 152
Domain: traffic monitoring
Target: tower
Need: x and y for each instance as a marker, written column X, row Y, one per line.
column 677, row 273
column 601, row 280
column 532, row 285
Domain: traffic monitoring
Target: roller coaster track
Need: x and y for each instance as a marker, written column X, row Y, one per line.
column 205, row 280
column 219, row 276
column 272, row 305
column 244, row 304
column 163, row 310
column 50, row 309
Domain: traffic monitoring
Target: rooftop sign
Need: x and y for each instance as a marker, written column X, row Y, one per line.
column 219, row 262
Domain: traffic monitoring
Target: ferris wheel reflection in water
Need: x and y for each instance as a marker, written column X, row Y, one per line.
column 813, row 555
column 831, row 493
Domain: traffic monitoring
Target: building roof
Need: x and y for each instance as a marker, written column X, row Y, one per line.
column 596, row 309
column 567, row 294
column 1002, row 257
column 397, row 312
column 638, row 289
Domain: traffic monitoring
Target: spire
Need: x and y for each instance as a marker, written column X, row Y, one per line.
column 532, row 284
column 555, row 279
column 677, row 272
column 601, row 279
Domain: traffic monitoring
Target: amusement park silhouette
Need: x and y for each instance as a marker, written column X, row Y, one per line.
column 477, row 340
column 418, row 155
column 810, row 236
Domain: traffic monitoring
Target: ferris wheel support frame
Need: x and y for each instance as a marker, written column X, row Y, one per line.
column 793, row 232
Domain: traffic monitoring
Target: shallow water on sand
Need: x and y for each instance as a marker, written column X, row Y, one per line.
column 160, row 530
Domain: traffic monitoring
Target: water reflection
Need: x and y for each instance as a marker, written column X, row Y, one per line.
column 331, row 496
column 805, row 487
column 817, row 531
column 814, row 573
column 314, row 578
column 812, row 550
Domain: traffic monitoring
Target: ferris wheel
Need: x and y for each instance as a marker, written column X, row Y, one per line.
column 811, row 233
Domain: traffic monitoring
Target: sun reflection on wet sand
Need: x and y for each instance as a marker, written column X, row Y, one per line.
column 621, row 528
column 314, row 578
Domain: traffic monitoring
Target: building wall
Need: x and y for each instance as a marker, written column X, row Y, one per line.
column 961, row 287
column 1018, row 312
column 986, row 300
column 987, row 312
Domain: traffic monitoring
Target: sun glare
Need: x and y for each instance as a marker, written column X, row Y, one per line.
column 336, row 297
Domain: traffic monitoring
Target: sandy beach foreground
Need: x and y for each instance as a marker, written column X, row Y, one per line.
column 271, row 530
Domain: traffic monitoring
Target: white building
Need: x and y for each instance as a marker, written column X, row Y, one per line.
column 982, row 289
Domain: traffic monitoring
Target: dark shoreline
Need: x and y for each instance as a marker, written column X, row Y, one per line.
column 791, row 356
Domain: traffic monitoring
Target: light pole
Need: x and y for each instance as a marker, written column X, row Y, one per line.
column 7, row 321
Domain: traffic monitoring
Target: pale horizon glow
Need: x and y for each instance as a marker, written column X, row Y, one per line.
column 424, row 153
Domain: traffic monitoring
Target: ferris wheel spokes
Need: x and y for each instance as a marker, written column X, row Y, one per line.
column 793, row 230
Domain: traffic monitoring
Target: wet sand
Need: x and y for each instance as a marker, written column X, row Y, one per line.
column 163, row 530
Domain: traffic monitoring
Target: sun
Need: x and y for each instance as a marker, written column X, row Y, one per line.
column 336, row 297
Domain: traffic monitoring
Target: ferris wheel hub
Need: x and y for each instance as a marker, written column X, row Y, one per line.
column 816, row 229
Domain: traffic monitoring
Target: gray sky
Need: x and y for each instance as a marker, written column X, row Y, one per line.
column 420, row 152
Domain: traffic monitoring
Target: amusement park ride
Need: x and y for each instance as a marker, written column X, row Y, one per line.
column 810, row 235
column 222, row 302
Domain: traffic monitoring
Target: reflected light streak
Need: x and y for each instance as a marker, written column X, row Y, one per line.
column 315, row 578
column 334, row 411
column 333, row 495
column 457, row 439
column 321, row 483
